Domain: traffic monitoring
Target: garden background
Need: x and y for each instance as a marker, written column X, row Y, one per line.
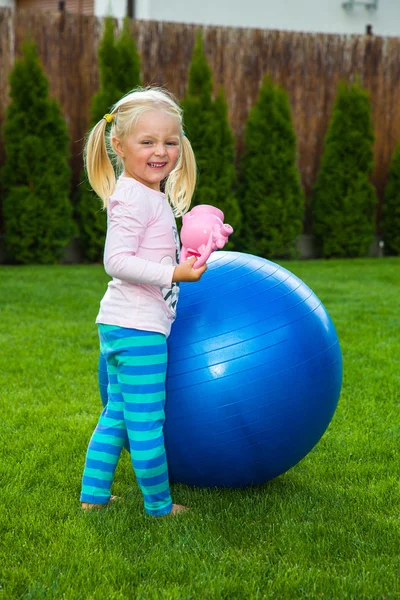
column 328, row 528
column 308, row 66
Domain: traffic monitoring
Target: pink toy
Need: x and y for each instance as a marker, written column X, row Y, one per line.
column 203, row 231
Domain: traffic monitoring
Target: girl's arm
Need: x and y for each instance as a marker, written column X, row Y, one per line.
column 126, row 229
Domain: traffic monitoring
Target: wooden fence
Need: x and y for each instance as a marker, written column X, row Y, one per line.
column 309, row 67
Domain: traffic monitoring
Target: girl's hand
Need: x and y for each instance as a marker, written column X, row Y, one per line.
column 185, row 271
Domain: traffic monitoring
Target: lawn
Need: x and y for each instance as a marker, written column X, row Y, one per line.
column 329, row 528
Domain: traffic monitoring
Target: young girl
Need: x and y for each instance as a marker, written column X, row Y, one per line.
column 141, row 255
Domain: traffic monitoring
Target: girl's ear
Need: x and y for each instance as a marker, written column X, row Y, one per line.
column 117, row 145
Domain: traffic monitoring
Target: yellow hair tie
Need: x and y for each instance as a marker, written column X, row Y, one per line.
column 108, row 118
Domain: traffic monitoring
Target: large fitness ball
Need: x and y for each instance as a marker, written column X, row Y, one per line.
column 254, row 374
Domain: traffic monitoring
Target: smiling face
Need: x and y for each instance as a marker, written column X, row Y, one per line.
column 152, row 150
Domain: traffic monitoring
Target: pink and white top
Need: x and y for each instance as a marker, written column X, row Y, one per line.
column 141, row 252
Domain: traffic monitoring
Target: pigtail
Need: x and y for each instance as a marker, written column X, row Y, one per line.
column 97, row 162
column 181, row 182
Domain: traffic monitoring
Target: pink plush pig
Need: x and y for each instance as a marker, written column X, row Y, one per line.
column 203, row 231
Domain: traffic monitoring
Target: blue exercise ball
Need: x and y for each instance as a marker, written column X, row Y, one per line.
column 254, row 374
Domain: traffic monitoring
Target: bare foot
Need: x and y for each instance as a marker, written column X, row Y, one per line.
column 87, row 506
column 177, row 508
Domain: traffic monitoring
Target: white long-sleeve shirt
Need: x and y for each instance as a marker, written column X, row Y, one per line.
column 141, row 252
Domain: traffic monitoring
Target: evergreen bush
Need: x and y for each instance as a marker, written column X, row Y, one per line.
column 207, row 126
column 119, row 67
column 344, row 200
column 226, row 171
column 390, row 224
column 127, row 76
column 272, row 199
column 36, row 176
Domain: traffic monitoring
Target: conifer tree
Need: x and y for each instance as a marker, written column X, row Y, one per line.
column 200, row 124
column 119, row 67
column 272, row 200
column 344, row 200
column 207, row 127
column 226, row 171
column 109, row 65
column 391, row 208
column 127, row 74
column 36, row 176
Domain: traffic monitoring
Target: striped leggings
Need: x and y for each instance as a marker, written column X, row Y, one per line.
column 134, row 414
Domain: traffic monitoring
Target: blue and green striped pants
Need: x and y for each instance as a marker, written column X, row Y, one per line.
column 136, row 367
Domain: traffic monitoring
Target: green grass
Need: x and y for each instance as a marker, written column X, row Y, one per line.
column 329, row 528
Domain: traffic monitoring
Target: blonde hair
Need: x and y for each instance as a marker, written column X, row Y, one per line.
column 180, row 183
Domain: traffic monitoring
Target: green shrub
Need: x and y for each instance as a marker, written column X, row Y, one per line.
column 36, row 176
column 119, row 66
column 391, row 208
column 271, row 196
column 128, row 76
column 344, row 200
column 226, row 171
column 207, row 127
column 199, row 123
column 109, row 68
